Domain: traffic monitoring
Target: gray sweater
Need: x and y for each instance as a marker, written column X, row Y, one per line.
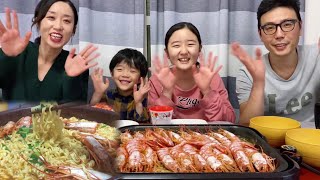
column 293, row 98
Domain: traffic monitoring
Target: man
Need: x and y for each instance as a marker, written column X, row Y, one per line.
column 285, row 81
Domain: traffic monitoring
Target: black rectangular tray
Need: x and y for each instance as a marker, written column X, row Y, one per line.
column 285, row 169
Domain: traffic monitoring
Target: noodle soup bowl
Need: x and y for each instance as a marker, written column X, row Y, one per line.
column 27, row 141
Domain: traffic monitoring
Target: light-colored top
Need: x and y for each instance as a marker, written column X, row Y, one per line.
column 294, row 97
column 125, row 106
column 190, row 104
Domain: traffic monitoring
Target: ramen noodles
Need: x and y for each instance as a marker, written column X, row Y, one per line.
column 28, row 151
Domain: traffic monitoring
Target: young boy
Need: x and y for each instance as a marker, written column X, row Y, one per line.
column 128, row 70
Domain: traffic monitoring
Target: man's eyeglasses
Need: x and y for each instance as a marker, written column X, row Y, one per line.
column 285, row 26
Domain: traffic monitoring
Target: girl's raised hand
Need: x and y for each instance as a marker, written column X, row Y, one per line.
column 164, row 73
column 10, row 40
column 97, row 78
column 204, row 74
column 76, row 65
column 144, row 88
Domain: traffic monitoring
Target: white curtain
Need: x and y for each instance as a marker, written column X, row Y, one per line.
column 312, row 23
column 109, row 24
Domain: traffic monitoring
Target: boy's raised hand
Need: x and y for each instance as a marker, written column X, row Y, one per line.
column 203, row 76
column 97, row 78
column 144, row 88
column 10, row 40
column 76, row 65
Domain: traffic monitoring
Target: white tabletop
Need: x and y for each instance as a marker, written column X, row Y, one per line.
column 219, row 122
column 198, row 121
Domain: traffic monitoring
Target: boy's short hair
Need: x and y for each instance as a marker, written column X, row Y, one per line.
column 267, row 5
column 131, row 57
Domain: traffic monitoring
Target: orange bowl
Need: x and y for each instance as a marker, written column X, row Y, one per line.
column 274, row 128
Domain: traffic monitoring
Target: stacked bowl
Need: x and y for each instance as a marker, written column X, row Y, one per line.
column 307, row 143
column 274, row 128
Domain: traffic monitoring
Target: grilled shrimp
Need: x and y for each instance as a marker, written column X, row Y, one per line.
column 168, row 161
column 215, row 164
column 232, row 137
column 24, row 122
column 261, row 161
column 222, row 139
column 158, row 138
column 11, row 126
column 138, row 135
column 151, row 159
column 136, row 159
column 175, row 137
column 163, row 137
column 226, row 160
column 121, row 159
column 99, row 153
column 242, row 160
column 89, row 127
column 199, row 162
column 194, row 138
column 7, row 129
column 63, row 172
column 125, row 137
column 182, row 158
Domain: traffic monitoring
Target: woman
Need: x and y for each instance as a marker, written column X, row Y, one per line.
column 43, row 70
column 194, row 90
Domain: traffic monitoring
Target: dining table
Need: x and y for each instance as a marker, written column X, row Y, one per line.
column 306, row 174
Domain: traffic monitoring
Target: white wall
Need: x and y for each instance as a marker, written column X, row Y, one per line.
column 312, row 22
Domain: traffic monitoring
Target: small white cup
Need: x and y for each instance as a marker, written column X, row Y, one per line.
column 161, row 114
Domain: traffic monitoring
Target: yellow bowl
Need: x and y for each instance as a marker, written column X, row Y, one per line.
column 307, row 142
column 274, row 128
column 3, row 106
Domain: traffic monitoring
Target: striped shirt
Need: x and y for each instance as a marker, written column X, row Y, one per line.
column 125, row 106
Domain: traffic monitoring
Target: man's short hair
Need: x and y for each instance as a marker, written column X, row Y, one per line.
column 267, row 5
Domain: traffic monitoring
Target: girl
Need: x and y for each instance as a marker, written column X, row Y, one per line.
column 194, row 90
